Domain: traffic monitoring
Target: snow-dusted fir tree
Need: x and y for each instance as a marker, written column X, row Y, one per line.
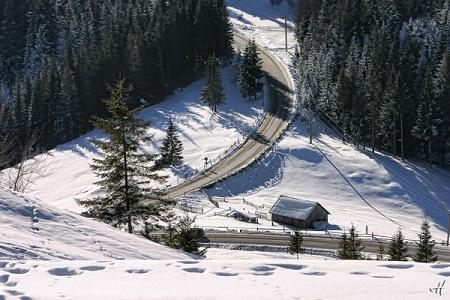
column 295, row 244
column 251, row 72
column 124, row 171
column 237, row 61
column 213, row 92
column 397, row 248
column 188, row 236
column 172, row 148
column 425, row 246
column 429, row 116
column 388, row 117
column 441, row 92
column 350, row 246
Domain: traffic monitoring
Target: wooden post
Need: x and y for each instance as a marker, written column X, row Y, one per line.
column 448, row 229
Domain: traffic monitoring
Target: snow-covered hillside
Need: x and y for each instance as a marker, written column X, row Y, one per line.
column 226, row 279
column 66, row 174
column 357, row 187
column 30, row 229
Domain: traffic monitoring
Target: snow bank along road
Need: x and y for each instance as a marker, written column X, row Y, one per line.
column 276, row 118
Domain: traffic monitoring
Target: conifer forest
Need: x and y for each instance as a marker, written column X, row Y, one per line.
column 58, row 57
column 379, row 72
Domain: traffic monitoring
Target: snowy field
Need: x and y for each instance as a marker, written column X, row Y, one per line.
column 224, row 279
column 66, row 175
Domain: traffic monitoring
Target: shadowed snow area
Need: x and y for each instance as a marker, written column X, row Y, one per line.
column 30, row 229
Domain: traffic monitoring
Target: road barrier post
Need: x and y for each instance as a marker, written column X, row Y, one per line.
column 448, row 229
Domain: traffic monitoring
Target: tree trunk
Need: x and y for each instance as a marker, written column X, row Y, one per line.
column 373, row 133
column 402, row 136
column 395, row 134
column 125, row 167
column 430, row 149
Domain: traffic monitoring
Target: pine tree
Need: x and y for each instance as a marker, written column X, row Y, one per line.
column 429, row 118
column 188, row 236
column 250, row 72
column 381, row 252
column 213, row 92
column 397, row 248
column 425, row 247
column 172, row 148
column 350, row 246
column 124, row 172
column 295, row 244
column 237, row 62
column 441, row 92
column 343, row 247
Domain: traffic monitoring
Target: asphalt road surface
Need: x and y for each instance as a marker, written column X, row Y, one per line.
column 277, row 113
column 370, row 246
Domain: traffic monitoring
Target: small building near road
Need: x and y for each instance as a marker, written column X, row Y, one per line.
column 298, row 213
column 244, row 216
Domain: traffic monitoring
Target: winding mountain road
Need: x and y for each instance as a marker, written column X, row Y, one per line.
column 277, row 110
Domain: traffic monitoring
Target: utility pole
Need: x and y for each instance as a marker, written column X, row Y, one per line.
column 286, row 32
column 448, row 229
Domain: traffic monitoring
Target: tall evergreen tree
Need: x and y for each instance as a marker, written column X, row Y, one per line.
column 425, row 247
column 213, row 92
column 250, row 72
column 172, row 148
column 397, row 248
column 442, row 94
column 429, row 117
column 124, row 172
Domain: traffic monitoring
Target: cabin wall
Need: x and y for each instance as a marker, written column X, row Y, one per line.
column 301, row 224
column 318, row 214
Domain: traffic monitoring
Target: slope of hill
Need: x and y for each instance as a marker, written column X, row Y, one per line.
column 358, row 187
column 66, row 175
column 31, row 229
